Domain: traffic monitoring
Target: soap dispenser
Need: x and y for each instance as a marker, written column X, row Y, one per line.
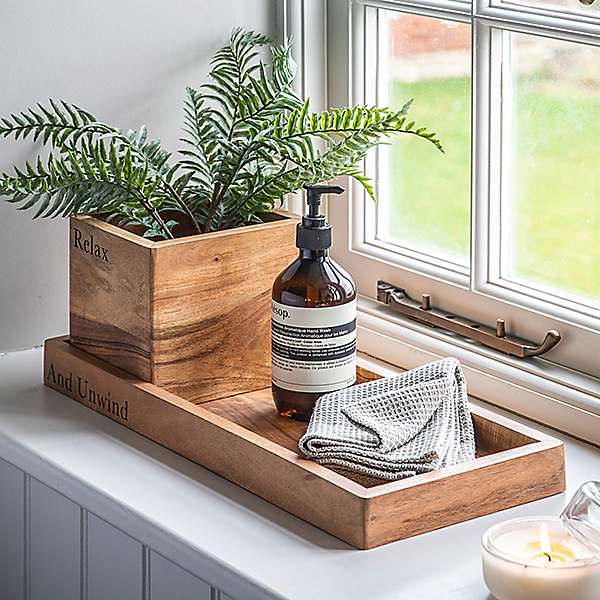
column 313, row 325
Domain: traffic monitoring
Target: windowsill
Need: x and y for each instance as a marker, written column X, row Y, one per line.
column 534, row 388
column 214, row 529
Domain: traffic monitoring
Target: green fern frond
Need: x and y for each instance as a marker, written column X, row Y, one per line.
column 248, row 141
column 202, row 131
column 99, row 176
column 56, row 123
column 64, row 186
column 72, row 130
column 362, row 120
column 269, row 95
column 232, row 67
column 350, row 134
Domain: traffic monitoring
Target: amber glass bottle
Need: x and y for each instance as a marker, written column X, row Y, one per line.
column 314, row 319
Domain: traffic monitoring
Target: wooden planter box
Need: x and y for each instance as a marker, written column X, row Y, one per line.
column 243, row 439
column 190, row 315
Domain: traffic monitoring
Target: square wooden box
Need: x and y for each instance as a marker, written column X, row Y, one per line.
column 243, row 439
column 191, row 315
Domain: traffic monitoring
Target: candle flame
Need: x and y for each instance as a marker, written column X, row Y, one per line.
column 550, row 550
column 545, row 545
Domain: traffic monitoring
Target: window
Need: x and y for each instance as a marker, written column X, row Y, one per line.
column 505, row 224
column 428, row 59
column 551, row 201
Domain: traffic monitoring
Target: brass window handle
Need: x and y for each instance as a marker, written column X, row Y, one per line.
column 423, row 312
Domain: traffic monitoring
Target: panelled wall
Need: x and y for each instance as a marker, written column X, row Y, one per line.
column 53, row 549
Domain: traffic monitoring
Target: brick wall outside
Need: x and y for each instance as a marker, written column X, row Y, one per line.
column 412, row 34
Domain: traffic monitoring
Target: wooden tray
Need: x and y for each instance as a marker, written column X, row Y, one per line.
column 243, row 439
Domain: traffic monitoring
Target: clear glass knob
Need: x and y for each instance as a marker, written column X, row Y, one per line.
column 582, row 515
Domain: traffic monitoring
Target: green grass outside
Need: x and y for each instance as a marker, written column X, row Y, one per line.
column 556, row 225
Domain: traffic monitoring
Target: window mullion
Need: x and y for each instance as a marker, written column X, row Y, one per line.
column 481, row 153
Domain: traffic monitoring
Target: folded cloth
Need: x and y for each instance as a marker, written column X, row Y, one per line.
column 395, row 427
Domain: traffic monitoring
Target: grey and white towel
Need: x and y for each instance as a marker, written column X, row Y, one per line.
column 395, row 427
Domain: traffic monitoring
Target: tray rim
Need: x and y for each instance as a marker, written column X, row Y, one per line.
column 542, row 441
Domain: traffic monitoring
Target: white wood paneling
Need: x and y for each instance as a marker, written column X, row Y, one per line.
column 12, row 531
column 114, row 562
column 73, row 554
column 54, row 550
column 170, row 582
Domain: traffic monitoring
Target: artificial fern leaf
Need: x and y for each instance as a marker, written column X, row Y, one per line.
column 56, row 123
column 248, row 140
column 85, row 180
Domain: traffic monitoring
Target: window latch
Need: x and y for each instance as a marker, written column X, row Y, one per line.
column 423, row 312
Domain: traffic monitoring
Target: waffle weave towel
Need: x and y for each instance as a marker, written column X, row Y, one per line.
column 395, row 427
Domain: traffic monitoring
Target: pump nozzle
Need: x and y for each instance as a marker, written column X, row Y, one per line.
column 314, row 233
column 314, row 196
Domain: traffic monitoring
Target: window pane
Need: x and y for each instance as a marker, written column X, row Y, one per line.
column 553, row 199
column 424, row 200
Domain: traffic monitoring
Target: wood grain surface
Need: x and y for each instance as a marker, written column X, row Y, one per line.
column 109, row 301
column 243, row 439
column 191, row 315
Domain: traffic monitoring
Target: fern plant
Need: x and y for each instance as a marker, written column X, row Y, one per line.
column 248, row 141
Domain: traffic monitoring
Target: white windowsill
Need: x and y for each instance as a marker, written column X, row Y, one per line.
column 535, row 388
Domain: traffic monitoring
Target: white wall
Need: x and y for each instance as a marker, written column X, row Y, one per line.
column 127, row 62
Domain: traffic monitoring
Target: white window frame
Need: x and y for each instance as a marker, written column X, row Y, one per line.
column 370, row 90
column 558, row 390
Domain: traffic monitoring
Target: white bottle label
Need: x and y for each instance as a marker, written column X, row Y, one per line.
column 313, row 349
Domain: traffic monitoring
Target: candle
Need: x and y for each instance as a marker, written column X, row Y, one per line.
column 538, row 559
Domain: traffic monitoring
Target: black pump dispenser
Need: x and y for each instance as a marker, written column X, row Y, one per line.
column 313, row 324
column 314, row 232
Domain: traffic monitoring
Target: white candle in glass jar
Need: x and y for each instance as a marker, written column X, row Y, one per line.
column 538, row 559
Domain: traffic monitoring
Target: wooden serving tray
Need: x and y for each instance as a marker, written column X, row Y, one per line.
column 243, row 439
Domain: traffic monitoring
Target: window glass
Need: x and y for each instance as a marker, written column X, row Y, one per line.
column 550, row 181
column 424, row 196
